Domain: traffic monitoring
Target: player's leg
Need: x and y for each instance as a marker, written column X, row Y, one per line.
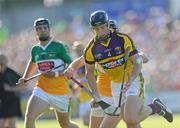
column 133, row 126
column 95, row 121
column 158, row 107
column 145, row 111
column 110, row 121
column 96, row 117
column 127, row 125
column 136, row 111
column 132, row 109
column 116, row 89
column 97, row 114
column 36, row 105
column 86, row 118
column 84, row 111
column 135, row 104
column 64, row 120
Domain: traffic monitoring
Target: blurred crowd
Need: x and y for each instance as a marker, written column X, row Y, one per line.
column 156, row 34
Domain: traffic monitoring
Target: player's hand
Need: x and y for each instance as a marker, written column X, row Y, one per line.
column 94, row 104
column 21, row 81
column 69, row 72
column 50, row 74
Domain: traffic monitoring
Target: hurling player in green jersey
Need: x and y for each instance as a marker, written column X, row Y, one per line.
column 51, row 88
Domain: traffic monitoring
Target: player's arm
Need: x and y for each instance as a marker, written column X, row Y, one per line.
column 91, row 78
column 30, row 68
column 133, row 56
column 66, row 57
column 136, row 67
column 142, row 58
column 90, row 67
column 77, row 63
column 74, row 66
column 29, row 71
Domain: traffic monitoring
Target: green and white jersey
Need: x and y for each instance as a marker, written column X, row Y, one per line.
column 48, row 57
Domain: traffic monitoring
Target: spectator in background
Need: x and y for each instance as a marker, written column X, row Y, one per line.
column 9, row 99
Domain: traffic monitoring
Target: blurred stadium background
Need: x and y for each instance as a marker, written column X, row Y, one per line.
column 154, row 26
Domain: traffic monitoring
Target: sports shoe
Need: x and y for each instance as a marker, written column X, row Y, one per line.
column 164, row 111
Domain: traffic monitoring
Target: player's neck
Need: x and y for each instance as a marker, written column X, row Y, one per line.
column 44, row 43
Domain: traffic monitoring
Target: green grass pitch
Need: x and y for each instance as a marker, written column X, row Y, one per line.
column 151, row 122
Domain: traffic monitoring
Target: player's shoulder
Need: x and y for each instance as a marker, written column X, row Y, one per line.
column 122, row 35
column 90, row 44
column 34, row 47
column 57, row 42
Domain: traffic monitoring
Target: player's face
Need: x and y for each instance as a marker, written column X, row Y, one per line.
column 43, row 32
column 101, row 30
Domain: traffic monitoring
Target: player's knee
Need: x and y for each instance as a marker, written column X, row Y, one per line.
column 73, row 125
column 131, row 120
column 64, row 123
column 30, row 117
column 68, row 125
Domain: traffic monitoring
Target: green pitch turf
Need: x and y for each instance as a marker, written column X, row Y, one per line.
column 152, row 122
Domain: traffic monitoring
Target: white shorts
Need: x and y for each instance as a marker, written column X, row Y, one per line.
column 58, row 102
column 84, row 108
column 134, row 90
column 98, row 112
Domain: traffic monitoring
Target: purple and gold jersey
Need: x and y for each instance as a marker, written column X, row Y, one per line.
column 110, row 55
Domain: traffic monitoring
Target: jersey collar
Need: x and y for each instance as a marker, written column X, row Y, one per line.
column 107, row 42
column 44, row 47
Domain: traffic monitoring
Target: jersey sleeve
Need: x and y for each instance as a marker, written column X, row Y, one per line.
column 33, row 54
column 88, row 55
column 128, row 42
column 65, row 55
